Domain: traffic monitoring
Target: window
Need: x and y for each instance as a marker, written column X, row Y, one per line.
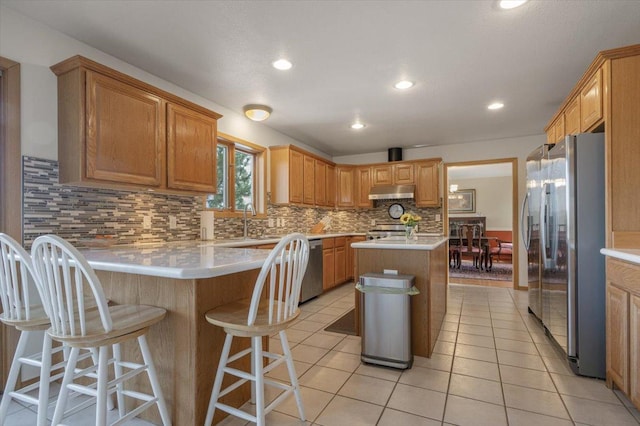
column 240, row 171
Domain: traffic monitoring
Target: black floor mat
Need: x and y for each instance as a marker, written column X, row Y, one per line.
column 346, row 324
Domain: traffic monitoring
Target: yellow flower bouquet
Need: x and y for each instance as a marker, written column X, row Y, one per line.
column 410, row 219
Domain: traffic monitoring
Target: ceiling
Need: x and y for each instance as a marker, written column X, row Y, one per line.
column 347, row 55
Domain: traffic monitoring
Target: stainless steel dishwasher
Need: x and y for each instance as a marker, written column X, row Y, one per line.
column 386, row 319
column 312, row 281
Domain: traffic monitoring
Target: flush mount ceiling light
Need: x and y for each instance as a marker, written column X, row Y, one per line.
column 282, row 64
column 495, row 105
column 403, row 85
column 357, row 126
column 453, row 187
column 257, row 112
column 511, row 4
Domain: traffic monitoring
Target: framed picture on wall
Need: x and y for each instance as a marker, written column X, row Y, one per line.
column 462, row 201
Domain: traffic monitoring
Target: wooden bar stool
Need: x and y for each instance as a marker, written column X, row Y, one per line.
column 66, row 281
column 269, row 310
column 21, row 308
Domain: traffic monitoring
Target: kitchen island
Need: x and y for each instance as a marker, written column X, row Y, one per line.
column 427, row 259
column 187, row 279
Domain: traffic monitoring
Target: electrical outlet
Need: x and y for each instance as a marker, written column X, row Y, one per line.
column 373, row 222
column 437, row 218
column 270, row 222
column 173, row 223
column 279, row 222
column 146, row 222
column 282, row 221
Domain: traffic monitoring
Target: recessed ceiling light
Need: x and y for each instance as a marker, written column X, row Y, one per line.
column 357, row 126
column 511, row 4
column 404, row 84
column 257, row 112
column 282, row 64
column 495, row 105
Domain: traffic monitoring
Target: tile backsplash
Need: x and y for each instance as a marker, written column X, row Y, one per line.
column 76, row 212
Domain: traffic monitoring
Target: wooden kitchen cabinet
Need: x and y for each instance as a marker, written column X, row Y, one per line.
column 345, row 186
column 328, row 264
column 623, row 327
column 320, row 183
column 392, row 174
column 572, row 117
column 558, row 129
column 427, row 183
column 591, row 102
column 350, row 266
column 330, row 186
column 363, row 186
column 299, row 177
column 116, row 131
column 308, row 181
column 340, row 259
column 191, row 150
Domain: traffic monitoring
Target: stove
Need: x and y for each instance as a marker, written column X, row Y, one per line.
column 383, row 230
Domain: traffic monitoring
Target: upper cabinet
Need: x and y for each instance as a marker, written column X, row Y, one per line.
column 345, row 186
column 116, row 131
column 427, row 183
column 298, row 177
column 591, row 102
column 362, row 186
column 392, row 174
column 572, row 117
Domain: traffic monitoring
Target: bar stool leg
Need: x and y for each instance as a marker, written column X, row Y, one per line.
column 217, row 383
column 292, row 374
column 259, row 379
column 153, row 379
column 117, row 368
column 64, row 390
column 13, row 374
column 45, row 380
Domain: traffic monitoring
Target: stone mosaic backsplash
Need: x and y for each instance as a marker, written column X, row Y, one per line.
column 76, row 213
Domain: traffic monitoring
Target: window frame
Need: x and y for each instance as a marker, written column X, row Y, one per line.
column 259, row 176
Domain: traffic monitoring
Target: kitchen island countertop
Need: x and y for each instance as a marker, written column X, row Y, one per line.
column 401, row 243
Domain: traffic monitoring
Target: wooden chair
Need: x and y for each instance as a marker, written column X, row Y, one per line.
column 469, row 249
column 455, row 245
column 263, row 316
column 21, row 308
column 66, row 281
column 504, row 250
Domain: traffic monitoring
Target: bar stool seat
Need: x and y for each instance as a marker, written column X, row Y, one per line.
column 270, row 310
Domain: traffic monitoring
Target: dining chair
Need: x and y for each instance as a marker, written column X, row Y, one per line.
column 270, row 310
column 66, row 283
column 470, row 249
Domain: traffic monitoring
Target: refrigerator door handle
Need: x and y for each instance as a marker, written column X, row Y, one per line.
column 525, row 237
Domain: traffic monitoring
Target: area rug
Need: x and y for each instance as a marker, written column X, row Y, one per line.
column 346, row 324
column 499, row 272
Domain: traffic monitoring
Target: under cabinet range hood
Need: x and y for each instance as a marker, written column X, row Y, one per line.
column 392, row 192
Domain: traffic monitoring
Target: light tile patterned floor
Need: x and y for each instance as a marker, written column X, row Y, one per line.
column 492, row 365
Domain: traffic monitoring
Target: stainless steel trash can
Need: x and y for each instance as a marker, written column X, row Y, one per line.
column 386, row 319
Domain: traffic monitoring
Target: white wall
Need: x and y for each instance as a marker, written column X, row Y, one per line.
column 36, row 47
column 493, row 200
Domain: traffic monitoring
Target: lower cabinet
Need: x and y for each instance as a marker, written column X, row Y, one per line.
column 623, row 328
column 351, row 256
column 340, row 260
column 328, row 264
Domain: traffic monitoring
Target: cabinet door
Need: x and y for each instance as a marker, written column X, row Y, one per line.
column 328, row 268
column 191, row 150
column 363, row 186
column 348, row 265
column 296, row 176
column 381, row 175
column 591, row 102
column 125, row 133
column 558, row 129
column 331, row 185
column 634, row 351
column 309, row 191
column 320, row 183
column 572, row 117
column 551, row 135
column 617, row 332
column 340, row 260
column 345, row 187
column 403, row 174
column 427, row 184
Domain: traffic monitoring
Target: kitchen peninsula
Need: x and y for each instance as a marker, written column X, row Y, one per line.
column 187, row 279
column 426, row 259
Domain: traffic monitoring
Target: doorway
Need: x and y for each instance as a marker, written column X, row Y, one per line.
column 486, row 193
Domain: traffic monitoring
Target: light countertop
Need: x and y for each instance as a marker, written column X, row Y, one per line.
column 630, row 255
column 239, row 242
column 401, row 243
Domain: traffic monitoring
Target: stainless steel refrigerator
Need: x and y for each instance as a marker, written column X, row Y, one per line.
column 563, row 232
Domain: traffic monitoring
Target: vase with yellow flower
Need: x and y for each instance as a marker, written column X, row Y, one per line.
column 410, row 222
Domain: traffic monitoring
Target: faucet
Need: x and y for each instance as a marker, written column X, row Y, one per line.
column 244, row 217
